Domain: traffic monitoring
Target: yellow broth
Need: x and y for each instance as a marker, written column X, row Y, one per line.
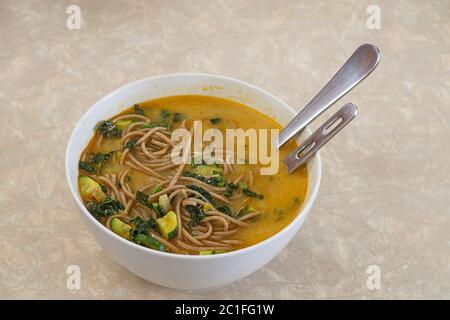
column 283, row 193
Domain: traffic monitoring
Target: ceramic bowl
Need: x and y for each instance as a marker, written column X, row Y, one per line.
column 173, row 270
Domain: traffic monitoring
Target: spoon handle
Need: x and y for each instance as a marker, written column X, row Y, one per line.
column 362, row 62
column 321, row 136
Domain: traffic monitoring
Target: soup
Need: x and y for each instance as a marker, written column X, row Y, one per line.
column 130, row 183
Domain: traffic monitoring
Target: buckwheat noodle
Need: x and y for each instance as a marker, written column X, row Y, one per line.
column 151, row 155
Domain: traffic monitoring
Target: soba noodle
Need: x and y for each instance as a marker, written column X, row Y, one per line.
column 209, row 215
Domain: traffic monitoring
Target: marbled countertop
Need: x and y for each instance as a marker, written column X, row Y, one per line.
column 385, row 192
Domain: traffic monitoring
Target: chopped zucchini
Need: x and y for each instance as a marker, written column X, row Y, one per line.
column 209, row 252
column 121, row 228
column 207, row 170
column 90, row 190
column 167, row 225
column 207, row 206
column 149, row 242
column 245, row 210
column 123, row 124
column 243, row 185
column 164, row 202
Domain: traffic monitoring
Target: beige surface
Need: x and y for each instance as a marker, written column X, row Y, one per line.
column 386, row 187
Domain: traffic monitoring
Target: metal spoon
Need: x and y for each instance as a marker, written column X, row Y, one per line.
column 362, row 62
column 321, row 136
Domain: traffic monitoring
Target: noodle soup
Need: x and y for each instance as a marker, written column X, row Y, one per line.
column 129, row 183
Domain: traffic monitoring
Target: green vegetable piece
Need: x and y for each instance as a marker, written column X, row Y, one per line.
column 243, row 185
column 196, row 161
column 106, row 208
column 196, row 214
column 142, row 198
column 130, row 144
column 203, row 192
column 207, row 206
column 121, row 228
column 138, row 110
column 158, row 209
column 209, row 252
column 108, row 129
column 215, row 120
column 193, row 175
column 230, row 189
column 154, row 124
column 86, row 166
column 245, row 210
column 99, row 159
column 167, row 225
column 177, row 117
column 149, row 242
column 252, row 194
column 217, row 180
column 165, row 114
column 148, row 125
column 156, row 189
column 90, row 190
column 123, row 124
column 142, row 226
column 225, row 209
column 207, row 170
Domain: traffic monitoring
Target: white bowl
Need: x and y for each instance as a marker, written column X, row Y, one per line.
column 173, row 270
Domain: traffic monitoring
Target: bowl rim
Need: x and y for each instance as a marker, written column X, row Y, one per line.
column 74, row 189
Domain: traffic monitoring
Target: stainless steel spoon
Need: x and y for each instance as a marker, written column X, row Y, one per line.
column 321, row 136
column 362, row 62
